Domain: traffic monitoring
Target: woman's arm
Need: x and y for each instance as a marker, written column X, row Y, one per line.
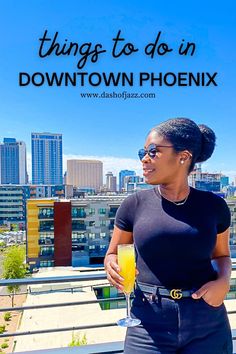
column 110, row 262
column 215, row 291
column 221, row 256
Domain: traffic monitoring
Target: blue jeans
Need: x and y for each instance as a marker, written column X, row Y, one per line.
column 184, row 326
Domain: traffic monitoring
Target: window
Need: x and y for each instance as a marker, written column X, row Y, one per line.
column 46, row 264
column 91, row 211
column 92, row 236
column 46, row 234
column 46, row 240
column 46, row 225
column 78, row 225
column 78, row 248
column 102, row 211
column 77, row 235
column 78, row 212
column 111, row 225
column 92, row 223
column 112, row 212
column 46, row 251
column 78, row 238
column 103, row 223
column 46, row 213
column 102, row 234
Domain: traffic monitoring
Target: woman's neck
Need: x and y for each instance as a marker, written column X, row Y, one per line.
column 175, row 191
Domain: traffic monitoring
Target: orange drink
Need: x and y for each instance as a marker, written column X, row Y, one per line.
column 126, row 261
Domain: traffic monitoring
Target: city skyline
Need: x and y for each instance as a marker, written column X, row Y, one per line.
column 113, row 164
column 112, row 129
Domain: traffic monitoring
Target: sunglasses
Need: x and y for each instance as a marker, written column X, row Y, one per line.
column 152, row 151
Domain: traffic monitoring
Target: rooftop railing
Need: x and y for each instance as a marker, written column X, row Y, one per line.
column 114, row 347
column 102, row 348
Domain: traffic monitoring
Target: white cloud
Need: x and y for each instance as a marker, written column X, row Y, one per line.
column 110, row 163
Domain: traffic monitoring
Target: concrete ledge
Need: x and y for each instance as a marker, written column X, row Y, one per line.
column 102, row 348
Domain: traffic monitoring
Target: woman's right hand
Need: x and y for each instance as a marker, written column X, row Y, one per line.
column 112, row 269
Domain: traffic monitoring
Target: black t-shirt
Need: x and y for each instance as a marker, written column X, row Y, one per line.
column 174, row 243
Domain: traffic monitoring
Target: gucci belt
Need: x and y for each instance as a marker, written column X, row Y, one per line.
column 155, row 290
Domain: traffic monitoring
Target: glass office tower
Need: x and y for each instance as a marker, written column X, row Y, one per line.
column 46, row 158
column 13, row 162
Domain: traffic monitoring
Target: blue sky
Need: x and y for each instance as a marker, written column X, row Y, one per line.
column 114, row 129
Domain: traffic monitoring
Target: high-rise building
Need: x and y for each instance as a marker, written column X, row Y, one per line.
column 46, row 158
column 110, row 182
column 13, row 203
column 224, row 181
column 122, row 175
column 13, row 162
column 135, row 183
column 204, row 180
column 85, row 173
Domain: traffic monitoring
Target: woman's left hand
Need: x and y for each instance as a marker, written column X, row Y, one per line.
column 213, row 292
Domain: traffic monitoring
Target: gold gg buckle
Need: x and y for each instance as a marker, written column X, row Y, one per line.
column 176, row 294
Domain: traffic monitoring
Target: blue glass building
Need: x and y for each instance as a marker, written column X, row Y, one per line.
column 210, row 186
column 13, row 162
column 122, row 175
column 224, row 181
column 46, row 158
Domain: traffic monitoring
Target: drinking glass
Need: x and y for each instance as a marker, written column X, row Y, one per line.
column 126, row 261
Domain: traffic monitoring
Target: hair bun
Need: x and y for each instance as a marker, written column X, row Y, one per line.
column 208, row 143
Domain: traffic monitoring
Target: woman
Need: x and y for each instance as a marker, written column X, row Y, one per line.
column 181, row 238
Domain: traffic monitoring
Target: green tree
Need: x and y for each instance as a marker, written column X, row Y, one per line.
column 2, row 244
column 14, row 267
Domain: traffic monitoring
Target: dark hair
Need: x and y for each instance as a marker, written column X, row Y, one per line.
column 185, row 134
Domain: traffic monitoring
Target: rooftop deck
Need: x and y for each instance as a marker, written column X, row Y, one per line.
column 70, row 305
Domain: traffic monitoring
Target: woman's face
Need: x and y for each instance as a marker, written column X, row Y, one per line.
column 165, row 167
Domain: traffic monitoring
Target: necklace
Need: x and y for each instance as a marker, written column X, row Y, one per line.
column 176, row 203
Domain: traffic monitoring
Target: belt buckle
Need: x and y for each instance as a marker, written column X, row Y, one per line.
column 176, row 294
